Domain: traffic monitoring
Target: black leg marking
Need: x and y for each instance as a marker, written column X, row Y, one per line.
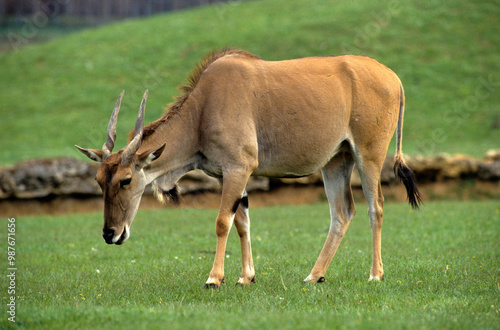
column 244, row 202
column 236, row 205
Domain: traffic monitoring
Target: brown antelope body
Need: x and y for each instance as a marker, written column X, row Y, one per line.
column 241, row 116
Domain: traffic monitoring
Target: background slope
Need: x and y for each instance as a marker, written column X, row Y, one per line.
column 61, row 93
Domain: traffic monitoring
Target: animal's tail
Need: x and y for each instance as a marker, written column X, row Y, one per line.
column 402, row 171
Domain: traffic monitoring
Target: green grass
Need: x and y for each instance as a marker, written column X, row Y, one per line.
column 442, row 269
column 61, row 93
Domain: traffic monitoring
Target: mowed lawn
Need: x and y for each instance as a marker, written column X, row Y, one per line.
column 442, row 268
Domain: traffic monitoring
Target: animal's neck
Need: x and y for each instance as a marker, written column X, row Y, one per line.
column 180, row 133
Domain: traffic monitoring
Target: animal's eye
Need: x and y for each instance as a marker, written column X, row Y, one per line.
column 125, row 182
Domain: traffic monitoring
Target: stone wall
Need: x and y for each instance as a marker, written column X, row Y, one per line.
column 42, row 178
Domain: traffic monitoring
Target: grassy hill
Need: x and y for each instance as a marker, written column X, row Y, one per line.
column 61, row 93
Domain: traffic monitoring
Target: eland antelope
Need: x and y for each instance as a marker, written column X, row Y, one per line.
column 239, row 116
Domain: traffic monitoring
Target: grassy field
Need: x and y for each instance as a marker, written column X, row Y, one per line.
column 61, row 93
column 442, row 269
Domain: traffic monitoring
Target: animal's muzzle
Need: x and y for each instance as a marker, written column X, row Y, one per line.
column 108, row 235
column 112, row 237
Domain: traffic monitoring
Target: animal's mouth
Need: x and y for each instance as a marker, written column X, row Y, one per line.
column 123, row 237
column 118, row 239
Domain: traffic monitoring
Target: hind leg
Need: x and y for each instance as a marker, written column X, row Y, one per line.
column 370, row 178
column 337, row 181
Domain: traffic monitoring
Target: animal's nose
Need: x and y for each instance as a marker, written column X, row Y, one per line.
column 108, row 235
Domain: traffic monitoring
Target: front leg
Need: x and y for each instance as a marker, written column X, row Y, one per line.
column 232, row 191
column 242, row 223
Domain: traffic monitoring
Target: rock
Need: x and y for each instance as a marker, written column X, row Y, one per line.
column 46, row 177
column 492, row 155
column 41, row 178
column 442, row 167
column 489, row 170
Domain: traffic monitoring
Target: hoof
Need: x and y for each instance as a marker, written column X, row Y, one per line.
column 213, row 285
column 376, row 278
column 245, row 284
column 309, row 279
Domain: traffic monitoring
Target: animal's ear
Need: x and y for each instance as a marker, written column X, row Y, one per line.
column 94, row 154
column 147, row 157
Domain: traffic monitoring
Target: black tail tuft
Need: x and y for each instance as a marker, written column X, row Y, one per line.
column 406, row 176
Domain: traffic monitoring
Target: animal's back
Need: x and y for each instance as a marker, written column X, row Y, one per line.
column 317, row 101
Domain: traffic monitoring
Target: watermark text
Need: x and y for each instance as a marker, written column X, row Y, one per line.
column 11, row 269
